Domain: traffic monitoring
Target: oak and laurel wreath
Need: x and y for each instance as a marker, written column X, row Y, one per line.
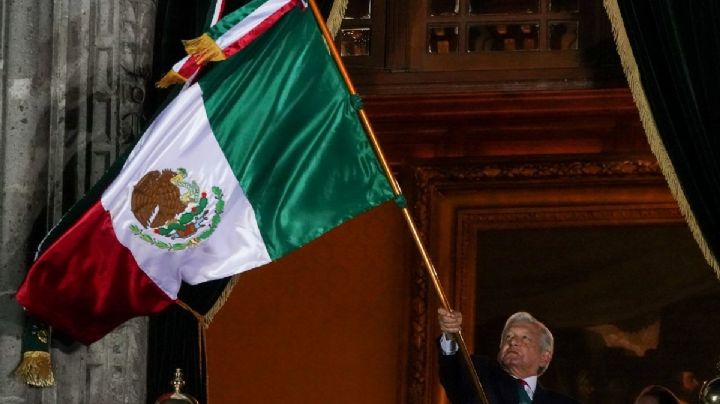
column 214, row 222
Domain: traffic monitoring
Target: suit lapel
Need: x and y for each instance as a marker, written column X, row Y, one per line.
column 508, row 390
column 539, row 397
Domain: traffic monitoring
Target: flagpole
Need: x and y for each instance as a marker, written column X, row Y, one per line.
column 432, row 273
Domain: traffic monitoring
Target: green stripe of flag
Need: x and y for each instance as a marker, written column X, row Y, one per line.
column 285, row 121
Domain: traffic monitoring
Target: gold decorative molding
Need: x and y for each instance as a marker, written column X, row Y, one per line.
column 537, row 170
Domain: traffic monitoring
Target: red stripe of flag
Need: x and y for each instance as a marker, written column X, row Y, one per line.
column 259, row 29
column 87, row 283
column 190, row 67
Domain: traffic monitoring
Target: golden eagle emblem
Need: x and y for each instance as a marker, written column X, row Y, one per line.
column 173, row 208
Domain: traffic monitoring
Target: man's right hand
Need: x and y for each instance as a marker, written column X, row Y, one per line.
column 450, row 321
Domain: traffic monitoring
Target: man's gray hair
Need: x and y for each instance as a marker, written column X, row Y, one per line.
column 547, row 342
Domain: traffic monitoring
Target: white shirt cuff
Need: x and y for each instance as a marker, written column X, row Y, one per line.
column 448, row 346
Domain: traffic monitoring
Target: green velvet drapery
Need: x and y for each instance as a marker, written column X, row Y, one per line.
column 671, row 52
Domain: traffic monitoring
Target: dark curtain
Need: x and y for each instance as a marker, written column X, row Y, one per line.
column 578, row 277
column 174, row 337
column 599, row 288
column 676, row 47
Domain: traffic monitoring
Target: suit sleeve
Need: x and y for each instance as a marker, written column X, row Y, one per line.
column 455, row 378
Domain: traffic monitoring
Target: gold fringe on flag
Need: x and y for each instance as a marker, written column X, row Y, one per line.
column 210, row 315
column 35, row 369
column 337, row 13
column 172, row 77
column 632, row 74
column 204, row 48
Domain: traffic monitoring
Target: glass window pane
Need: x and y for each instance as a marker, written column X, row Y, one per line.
column 357, row 9
column 355, row 42
column 503, row 37
column 564, row 5
column 442, row 39
column 444, row 7
column 504, row 6
column 563, row 35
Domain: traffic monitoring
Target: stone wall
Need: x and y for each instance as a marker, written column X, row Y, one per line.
column 73, row 75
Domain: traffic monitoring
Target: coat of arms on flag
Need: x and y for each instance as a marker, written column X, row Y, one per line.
column 173, row 211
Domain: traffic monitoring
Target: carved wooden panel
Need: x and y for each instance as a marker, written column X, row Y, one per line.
column 487, row 123
column 454, row 200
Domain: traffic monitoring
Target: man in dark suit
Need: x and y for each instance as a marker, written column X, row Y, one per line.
column 526, row 348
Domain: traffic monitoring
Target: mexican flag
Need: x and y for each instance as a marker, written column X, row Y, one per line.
column 261, row 156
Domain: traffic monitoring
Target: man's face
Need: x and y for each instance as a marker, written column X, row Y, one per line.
column 520, row 351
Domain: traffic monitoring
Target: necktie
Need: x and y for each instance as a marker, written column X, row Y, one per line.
column 522, row 394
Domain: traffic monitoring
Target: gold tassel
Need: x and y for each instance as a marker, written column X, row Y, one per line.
column 204, row 49
column 220, row 302
column 35, row 369
column 632, row 73
column 172, row 77
column 337, row 13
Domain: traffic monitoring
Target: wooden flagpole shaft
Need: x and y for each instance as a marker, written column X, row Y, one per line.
column 432, row 273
